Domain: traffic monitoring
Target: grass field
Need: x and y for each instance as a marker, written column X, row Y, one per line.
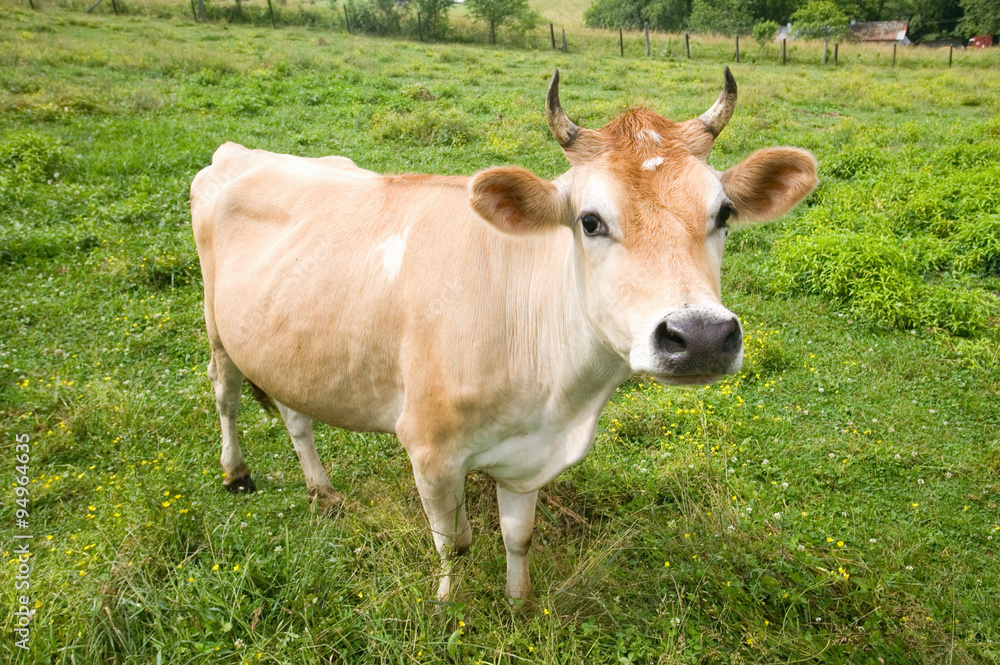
column 834, row 503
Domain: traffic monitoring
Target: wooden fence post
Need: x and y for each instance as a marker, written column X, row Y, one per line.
column 826, row 47
column 194, row 12
column 836, row 52
column 646, row 28
column 565, row 48
column 687, row 45
column 784, row 42
column 114, row 5
column 493, row 34
column 621, row 42
column 737, row 48
column 951, row 51
column 270, row 12
column 347, row 20
column 894, row 45
column 552, row 34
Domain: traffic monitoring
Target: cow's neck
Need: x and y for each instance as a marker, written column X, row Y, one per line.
column 564, row 346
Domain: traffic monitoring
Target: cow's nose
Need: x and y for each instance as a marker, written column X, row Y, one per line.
column 692, row 343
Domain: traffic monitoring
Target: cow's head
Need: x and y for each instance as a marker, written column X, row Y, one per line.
column 650, row 219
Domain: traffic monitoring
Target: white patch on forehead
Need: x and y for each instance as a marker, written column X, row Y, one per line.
column 651, row 163
column 654, row 137
column 600, row 196
column 392, row 254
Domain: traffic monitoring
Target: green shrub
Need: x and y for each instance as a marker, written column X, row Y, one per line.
column 27, row 159
column 30, row 156
column 940, row 205
column 855, row 162
column 763, row 32
column 876, row 279
column 977, row 242
column 426, row 126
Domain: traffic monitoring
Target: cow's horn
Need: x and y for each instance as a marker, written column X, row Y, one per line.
column 715, row 118
column 561, row 127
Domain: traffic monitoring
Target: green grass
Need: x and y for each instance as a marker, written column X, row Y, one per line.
column 834, row 503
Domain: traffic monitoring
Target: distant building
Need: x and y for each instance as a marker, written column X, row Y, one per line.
column 881, row 31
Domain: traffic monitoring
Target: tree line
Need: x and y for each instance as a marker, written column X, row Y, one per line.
column 430, row 17
column 929, row 19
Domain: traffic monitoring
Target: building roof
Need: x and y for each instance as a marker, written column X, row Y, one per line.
column 881, row 31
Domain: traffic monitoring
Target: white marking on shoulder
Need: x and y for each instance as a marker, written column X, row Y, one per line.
column 651, row 163
column 392, row 254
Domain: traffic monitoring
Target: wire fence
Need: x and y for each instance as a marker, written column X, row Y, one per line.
column 409, row 24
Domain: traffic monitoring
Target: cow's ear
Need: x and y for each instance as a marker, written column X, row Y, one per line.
column 516, row 201
column 769, row 183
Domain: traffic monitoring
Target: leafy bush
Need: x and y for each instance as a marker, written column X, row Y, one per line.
column 763, row 32
column 978, row 242
column 27, row 158
column 875, row 279
column 856, row 161
column 30, row 156
column 426, row 126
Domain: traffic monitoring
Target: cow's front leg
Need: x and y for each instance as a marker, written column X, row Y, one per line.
column 441, row 484
column 517, row 522
column 318, row 486
column 227, row 380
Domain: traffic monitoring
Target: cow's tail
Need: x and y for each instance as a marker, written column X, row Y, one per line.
column 263, row 398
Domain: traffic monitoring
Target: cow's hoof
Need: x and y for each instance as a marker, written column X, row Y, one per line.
column 242, row 486
column 328, row 501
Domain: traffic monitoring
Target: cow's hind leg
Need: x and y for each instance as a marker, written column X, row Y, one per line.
column 300, row 428
column 228, row 382
column 441, row 484
column 517, row 522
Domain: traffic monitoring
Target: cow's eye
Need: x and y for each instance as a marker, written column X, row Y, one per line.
column 593, row 225
column 725, row 212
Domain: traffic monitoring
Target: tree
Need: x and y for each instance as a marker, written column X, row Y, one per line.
column 723, row 17
column 516, row 14
column 763, row 32
column 661, row 14
column 982, row 17
column 378, row 17
column 820, row 19
column 434, row 16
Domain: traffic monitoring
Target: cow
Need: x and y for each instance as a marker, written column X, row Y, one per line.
column 485, row 320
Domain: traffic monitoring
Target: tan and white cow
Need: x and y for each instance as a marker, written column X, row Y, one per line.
column 485, row 321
